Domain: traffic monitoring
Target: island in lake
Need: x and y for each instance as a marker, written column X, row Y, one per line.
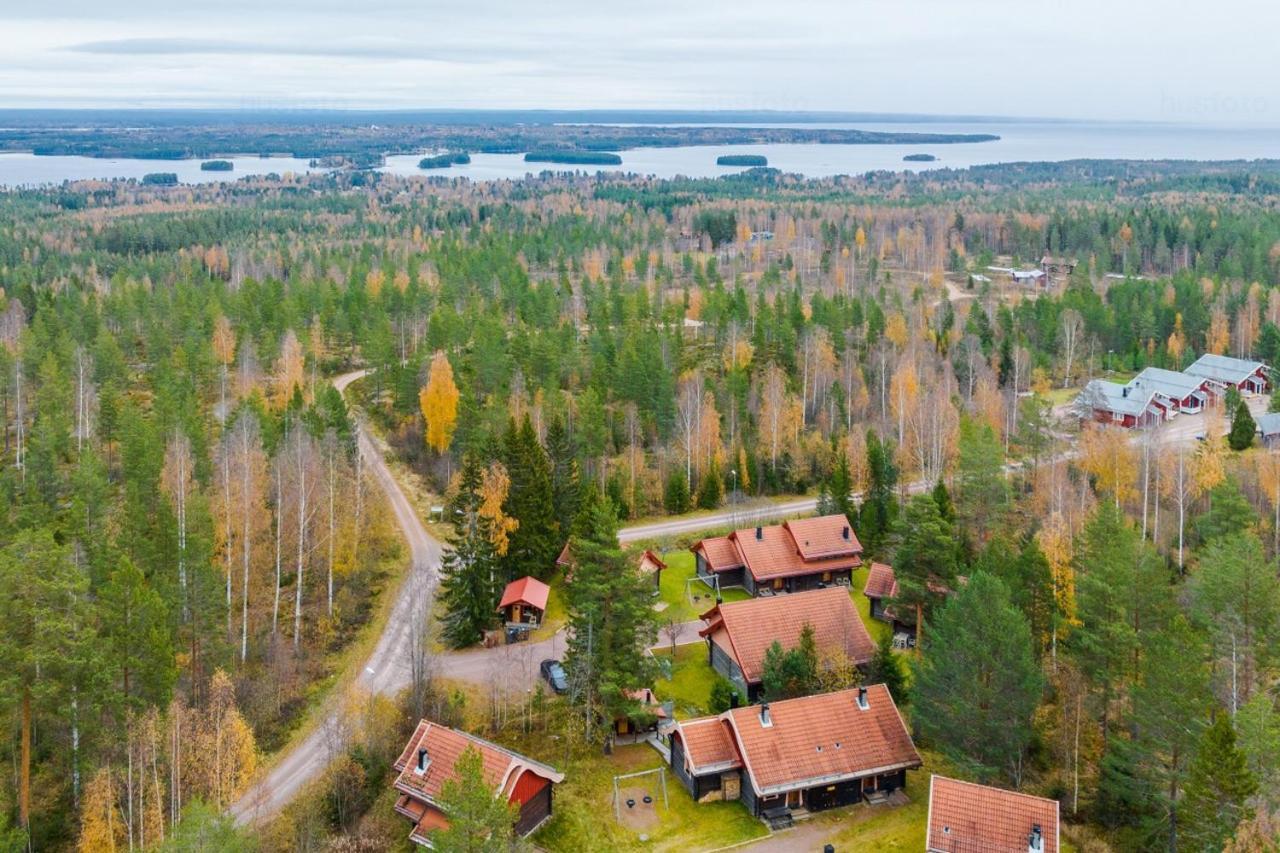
column 920, row 158
column 742, row 160
column 444, row 161
column 587, row 158
column 160, row 179
column 217, row 166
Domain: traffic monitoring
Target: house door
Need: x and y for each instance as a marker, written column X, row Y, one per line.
column 515, row 613
column 795, row 799
column 777, row 583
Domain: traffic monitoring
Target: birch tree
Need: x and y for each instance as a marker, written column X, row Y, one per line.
column 178, row 483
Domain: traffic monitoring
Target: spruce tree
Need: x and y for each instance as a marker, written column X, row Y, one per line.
column 611, row 618
column 1219, row 786
column 675, row 495
column 565, row 483
column 469, row 584
column 1243, row 427
column 838, row 491
column 710, row 487
column 530, row 500
column 887, row 669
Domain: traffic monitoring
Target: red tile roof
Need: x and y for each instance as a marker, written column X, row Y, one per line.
column 824, row 536
column 822, row 739
column 444, row 746
column 652, row 560
column 880, row 582
column 708, row 745
column 720, row 552
column 746, row 629
column 965, row 817
column 526, row 590
column 826, row 543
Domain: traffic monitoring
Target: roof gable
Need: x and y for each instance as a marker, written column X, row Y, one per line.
column 881, row 582
column 720, row 552
column 526, row 590
column 967, row 816
column 754, row 624
column 444, row 747
column 822, row 738
column 823, row 537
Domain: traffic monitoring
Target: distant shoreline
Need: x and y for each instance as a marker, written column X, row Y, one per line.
column 366, row 144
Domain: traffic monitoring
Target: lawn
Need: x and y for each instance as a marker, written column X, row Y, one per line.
column 553, row 618
column 584, row 813
column 675, row 577
column 691, row 680
column 875, row 627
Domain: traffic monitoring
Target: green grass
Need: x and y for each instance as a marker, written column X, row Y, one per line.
column 691, row 680
column 554, row 617
column 584, row 814
column 875, row 627
column 680, row 568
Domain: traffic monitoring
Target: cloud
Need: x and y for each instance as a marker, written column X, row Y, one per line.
column 363, row 49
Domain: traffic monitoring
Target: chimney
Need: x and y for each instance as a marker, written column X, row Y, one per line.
column 1035, row 842
column 423, row 761
column 862, row 698
column 765, row 720
column 759, row 533
column 1125, row 391
column 844, row 531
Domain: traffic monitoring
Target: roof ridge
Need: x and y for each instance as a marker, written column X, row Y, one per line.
column 1009, row 791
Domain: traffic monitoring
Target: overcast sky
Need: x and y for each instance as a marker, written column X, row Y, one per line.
column 1163, row 60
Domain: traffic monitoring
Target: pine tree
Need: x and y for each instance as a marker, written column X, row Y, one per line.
column 976, row 689
column 925, row 561
column 43, row 642
column 479, row 822
column 1219, row 786
column 135, row 633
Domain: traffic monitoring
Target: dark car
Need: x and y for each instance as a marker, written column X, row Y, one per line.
column 555, row 675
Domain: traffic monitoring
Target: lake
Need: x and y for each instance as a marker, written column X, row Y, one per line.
column 1020, row 141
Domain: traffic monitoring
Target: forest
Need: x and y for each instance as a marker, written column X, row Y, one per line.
column 178, row 135
column 191, row 551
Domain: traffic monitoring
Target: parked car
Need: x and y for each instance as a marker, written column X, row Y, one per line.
column 554, row 675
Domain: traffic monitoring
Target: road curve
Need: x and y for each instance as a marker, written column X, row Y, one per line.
column 387, row 669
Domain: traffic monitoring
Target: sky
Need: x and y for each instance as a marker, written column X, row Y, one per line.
column 1151, row 60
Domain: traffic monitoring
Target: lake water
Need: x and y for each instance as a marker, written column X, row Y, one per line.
column 1020, row 141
